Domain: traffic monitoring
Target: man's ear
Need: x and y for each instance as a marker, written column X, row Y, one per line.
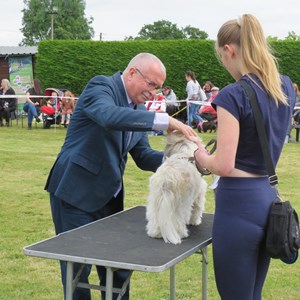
column 131, row 71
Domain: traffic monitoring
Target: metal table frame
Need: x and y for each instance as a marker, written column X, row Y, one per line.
column 57, row 248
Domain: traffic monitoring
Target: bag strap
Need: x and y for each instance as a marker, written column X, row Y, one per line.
column 273, row 179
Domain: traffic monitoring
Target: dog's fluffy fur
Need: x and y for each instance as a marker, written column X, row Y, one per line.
column 176, row 192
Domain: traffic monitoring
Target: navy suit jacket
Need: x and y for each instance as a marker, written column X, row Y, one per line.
column 89, row 168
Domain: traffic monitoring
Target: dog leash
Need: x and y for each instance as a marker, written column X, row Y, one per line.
column 204, row 171
column 214, row 147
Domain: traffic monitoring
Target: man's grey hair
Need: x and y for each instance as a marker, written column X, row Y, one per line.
column 145, row 58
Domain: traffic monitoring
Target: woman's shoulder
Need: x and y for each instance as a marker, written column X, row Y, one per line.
column 231, row 97
column 232, row 90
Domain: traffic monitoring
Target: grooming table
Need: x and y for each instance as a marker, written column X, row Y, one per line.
column 120, row 242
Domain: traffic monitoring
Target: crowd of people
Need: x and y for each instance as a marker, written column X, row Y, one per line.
column 36, row 103
column 165, row 100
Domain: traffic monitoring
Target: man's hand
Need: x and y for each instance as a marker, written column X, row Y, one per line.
column 185, row 129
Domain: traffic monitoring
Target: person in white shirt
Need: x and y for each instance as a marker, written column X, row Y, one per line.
column 193, row 90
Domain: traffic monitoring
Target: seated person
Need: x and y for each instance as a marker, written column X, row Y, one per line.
column 207, row 111
column 208, row 89
column 32, row 105
column 170, row 96
column 7, row 105
column 54, row 101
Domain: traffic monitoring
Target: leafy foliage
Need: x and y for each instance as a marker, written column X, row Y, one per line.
column 69, row 21
column 73, row 63
column 165, row 30
column 292, row 36
column 194, row 33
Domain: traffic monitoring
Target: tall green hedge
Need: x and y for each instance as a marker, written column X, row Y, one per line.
column 71, row 64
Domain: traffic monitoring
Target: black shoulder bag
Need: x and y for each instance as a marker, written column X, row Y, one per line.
column 282, row 232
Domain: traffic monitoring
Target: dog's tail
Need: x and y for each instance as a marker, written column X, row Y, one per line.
column 168, row 219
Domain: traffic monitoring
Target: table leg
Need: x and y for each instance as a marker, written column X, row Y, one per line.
column 204, row 273
column 69, row 280
column 109, row 283
column 172, row 284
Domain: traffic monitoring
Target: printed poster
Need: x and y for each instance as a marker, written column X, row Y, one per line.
column 20, row 74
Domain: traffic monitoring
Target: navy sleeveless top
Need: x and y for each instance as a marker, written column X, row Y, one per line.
column 233, row 98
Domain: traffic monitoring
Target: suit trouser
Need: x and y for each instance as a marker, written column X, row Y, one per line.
column 67, row 217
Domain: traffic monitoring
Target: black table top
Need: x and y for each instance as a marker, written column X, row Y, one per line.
column 120, row 241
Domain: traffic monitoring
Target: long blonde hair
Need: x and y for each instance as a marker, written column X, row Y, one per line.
column 247, row 33
column 6, row 83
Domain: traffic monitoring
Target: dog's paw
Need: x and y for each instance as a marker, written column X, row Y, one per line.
column 183, row 232
column 153, row 232
column 172, row 240
column 154, row 236
column 195, row 221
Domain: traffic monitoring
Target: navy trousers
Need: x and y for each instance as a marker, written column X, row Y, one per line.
column 240, row 260
column 67, row 217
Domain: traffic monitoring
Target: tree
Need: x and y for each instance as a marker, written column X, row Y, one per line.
column 272, row 38
column 70, row 22
column 194, row 33
column 292, row 36
column 161, row 30
column 165, row 30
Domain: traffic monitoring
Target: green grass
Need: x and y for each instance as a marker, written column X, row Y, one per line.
column 25, row 160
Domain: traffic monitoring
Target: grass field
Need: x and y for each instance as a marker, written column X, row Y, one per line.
column 25, row 160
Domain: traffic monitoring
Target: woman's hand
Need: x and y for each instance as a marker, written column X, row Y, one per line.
column 200, row 155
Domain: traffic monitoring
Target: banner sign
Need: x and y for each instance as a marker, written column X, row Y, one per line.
column 20, row 73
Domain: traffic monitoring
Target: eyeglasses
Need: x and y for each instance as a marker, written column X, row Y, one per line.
column 151, row 85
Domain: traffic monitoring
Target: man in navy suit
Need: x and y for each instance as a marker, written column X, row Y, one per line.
column 110, row 121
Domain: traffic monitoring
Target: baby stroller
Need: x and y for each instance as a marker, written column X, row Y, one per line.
column 52, row 110
column 210, row 120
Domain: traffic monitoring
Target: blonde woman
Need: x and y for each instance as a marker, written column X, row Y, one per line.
column 244, row 195
column 7, row 105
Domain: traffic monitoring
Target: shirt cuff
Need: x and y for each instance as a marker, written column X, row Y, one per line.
column 161, row 121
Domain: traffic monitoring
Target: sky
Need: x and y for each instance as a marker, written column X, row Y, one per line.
column 117, row 19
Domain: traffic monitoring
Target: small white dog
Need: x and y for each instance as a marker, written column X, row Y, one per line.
column 176, row 192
